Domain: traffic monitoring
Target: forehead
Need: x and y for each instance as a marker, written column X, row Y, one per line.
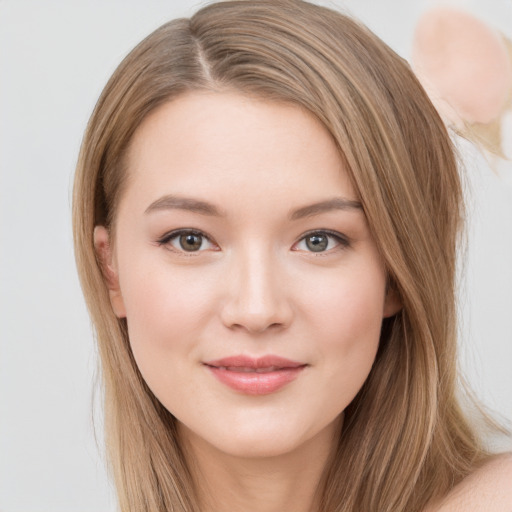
column 229, row 145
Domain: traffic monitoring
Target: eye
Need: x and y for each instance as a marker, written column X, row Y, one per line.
column 186, row 240
column 321, row 241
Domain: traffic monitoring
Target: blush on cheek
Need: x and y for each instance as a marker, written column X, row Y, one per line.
column 166, row 314
column 356, row 311
column 353, row 336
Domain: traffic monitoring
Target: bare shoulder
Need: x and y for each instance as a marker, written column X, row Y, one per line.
column 487, row 489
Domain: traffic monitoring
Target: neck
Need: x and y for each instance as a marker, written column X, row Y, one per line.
column 288, row 481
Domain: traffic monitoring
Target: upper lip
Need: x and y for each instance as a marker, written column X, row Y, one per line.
column 243, row 361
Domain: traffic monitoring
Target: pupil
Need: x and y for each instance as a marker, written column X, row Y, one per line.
column 190, row 242
column 317, row 243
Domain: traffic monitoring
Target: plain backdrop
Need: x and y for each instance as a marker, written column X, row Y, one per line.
column 55, row 57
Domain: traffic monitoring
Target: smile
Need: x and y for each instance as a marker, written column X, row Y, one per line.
column 253, row 376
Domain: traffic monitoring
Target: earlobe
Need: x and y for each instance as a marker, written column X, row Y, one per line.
column 110, row 275
column 392, row 302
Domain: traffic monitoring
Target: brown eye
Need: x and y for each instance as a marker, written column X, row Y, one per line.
column 185, row 240
column 190, row 242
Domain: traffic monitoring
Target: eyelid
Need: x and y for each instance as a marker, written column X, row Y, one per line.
column 342, row 240
column 165, row 239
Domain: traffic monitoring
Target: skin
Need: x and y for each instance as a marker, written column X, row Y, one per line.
column 253, row 287
column 488, row 489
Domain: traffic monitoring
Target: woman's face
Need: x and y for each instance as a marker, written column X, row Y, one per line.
column 253, row 290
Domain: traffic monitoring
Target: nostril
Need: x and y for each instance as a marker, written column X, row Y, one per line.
column 255, row 305
column 255, row 326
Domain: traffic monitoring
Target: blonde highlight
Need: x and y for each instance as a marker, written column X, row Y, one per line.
column 402, row 165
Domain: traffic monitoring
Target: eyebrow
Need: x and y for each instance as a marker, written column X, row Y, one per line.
column 173, row 202
column 336, row 203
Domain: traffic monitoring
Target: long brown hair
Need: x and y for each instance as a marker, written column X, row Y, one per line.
column 405, row 439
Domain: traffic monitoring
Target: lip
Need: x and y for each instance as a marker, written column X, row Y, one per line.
column 255, row 376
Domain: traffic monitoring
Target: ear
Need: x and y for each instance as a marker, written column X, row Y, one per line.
column 392, row 302
column 109, row 270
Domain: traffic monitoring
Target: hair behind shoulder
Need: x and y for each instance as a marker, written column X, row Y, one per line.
column 405, row 439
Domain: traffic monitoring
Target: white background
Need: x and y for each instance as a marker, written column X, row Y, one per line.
column 55, row 57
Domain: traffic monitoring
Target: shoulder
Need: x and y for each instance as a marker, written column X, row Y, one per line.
column 487, row 489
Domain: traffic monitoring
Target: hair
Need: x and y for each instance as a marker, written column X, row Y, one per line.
column 405, row 438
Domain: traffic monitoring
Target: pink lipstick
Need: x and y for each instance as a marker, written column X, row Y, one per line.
column 255, row 376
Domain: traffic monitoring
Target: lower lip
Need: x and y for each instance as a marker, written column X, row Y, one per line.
column 253, row 383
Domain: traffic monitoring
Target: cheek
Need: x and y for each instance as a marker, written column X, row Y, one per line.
column 348, row 320
column 348, row 306
column 166, row 309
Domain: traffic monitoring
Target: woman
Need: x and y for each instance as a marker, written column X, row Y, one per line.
column 266, row 212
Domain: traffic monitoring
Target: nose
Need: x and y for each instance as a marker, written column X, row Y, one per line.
column 257, row 299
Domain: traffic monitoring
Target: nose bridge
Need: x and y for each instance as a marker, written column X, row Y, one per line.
column 257, row 298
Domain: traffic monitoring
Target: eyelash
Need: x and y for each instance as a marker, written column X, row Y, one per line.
column 166, row 239
column 342, row 240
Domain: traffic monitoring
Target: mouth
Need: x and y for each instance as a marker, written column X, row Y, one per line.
column 255, row 376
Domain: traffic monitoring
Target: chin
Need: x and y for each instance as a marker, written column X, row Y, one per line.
column 268, row 439
column 255, row 447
